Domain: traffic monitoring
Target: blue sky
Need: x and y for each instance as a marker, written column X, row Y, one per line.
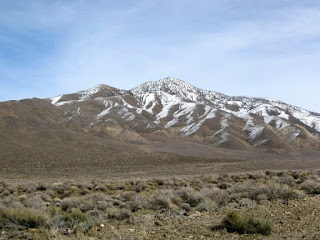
column 267, row 48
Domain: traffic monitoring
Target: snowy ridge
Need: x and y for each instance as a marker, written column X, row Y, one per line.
column 246, row 105
column 176, row 87
column 171, row 102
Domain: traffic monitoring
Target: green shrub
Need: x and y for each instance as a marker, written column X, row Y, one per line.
column 22, row 218
column 74, row 217
column 254, row 225
column 233, row 222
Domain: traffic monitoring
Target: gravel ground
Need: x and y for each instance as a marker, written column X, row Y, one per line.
column 300, row 219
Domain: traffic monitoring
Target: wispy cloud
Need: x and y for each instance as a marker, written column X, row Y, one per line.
column 261, row 48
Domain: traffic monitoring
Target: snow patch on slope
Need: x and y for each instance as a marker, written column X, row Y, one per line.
column 307, row 118
column 222, row 135
column 109, row 105
column 54, row 100
column 185, row 109
column 126, row 114
column 147, row 102
column 68, row 102
column 193, row 127
column 254, row 131
column 167, row 101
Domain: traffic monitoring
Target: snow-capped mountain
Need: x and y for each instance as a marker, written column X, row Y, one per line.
column 172, row 108
column 158, row 128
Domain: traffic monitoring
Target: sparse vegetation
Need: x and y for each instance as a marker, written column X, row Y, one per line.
column 84, row 208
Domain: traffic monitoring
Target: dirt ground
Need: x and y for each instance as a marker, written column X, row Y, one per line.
column 160, row 164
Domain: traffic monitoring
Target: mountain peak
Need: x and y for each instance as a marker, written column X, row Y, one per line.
column 170, row 85
column 168, row 81
column 171, row 79
column 177, row 87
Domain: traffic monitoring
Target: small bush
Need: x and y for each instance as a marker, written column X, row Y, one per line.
column 221, row 197
column 160, row 202
column 22, row 218
column 140, row 187
column 120, row 186
column 69, row 203
column 74, row 217
column 139, row 202
column 35, row 202
column 285, row 192
column 186, row 206
column 256, row 175
column 224, row 185
column 41, row 188
column 159, row 181
column 206, row 205
column 311, row 186
column 233, row 222
column 188, row 195
column 295, row 175
column 119, row 214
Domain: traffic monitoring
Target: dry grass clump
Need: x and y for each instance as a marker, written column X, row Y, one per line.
column 78, row 208
column 68, row 203
column 206, row 205
column 160, row 202
column 119, row 214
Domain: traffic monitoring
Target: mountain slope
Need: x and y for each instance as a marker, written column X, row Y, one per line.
column 160, row 127
column 172, row 108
